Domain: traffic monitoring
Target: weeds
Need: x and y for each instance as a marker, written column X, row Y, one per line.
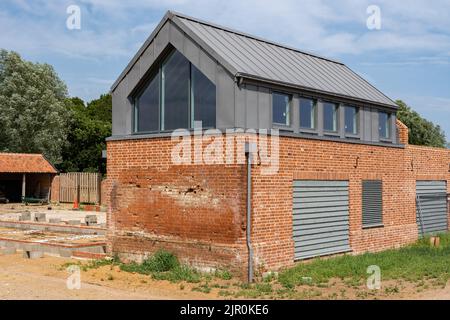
column 412, row 263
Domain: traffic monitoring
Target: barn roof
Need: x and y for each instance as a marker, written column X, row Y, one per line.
column 251, row 57
column 25, row 163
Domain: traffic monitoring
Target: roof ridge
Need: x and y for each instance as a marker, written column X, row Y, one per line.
column 247, row 35
column 22, row 154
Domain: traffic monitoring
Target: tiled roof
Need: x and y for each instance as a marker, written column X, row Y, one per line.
column 25, row 163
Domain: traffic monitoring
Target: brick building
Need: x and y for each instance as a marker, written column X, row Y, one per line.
column 25, row 176
column 331, row 173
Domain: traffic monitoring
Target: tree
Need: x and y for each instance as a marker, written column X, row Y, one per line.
column 421, row 131
column 89, row 126
column 33, row 116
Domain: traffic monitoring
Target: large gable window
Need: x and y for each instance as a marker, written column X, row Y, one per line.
column 146, row 108
column 175, row 97
column 203, row 99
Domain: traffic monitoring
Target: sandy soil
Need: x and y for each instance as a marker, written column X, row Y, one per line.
column 50, row 237
column 46, row 278
column 11, row 212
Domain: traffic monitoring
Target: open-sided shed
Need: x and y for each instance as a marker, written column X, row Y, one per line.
column 25, row 176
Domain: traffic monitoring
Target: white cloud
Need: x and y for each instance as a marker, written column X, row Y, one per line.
column 331, row 28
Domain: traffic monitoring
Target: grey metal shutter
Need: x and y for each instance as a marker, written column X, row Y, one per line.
column 320, row 218
column 431, row 207
column 372, row 203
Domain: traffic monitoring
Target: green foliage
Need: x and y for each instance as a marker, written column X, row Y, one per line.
column 421, row 131
column 204, row 288
column 223, row 274
column 412, row 263
column 33, row 115
column 179, row 273
column 161, row 261
column 164, row 265
column 89, row 126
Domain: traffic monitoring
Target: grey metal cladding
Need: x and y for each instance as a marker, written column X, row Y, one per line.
column 372, row 203
column 320, row 218
column 244, row 55
column 431, row 207
column 266, row 60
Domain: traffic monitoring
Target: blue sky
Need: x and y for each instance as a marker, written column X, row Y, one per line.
column 408, row 59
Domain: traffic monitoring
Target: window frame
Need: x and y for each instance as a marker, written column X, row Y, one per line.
column 134, row 98
column 135, row 102
column 388, row 125
column 338, row 110
column 314, row 129
column 290, row 112
column 357, row 121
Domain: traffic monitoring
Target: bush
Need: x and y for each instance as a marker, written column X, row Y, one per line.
column 179, row 273
column 161, row 261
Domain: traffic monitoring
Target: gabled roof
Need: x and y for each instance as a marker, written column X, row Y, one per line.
column 255, row 58
column 25, row 163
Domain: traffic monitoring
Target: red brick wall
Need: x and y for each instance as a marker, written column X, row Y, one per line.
column 403, row 132
column 195, row 211
column 198, row 211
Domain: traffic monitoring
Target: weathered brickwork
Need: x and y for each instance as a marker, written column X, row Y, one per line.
column 199, row 211
column 196, row 211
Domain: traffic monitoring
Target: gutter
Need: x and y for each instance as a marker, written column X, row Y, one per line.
column 245, row 77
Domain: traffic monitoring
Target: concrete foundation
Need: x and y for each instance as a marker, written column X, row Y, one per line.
column 32, row 254
column 40, row 217
column 91, row 220
column 25, row 216
column 7, row 250
column 53, row 227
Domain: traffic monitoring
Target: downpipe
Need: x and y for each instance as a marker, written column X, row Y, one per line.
column 249, row 156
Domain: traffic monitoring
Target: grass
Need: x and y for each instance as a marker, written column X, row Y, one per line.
column 412, row 263
column 420, row 264
column 161, row 261
column 164, row 265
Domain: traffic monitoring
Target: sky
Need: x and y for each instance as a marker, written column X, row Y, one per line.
column 407, row 58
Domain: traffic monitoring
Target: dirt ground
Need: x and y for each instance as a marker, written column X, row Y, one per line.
column 12, row 211
column 46, row 278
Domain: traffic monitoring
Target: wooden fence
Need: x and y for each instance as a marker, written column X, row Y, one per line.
column 86, row 184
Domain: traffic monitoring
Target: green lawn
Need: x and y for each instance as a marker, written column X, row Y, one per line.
column 412, row 263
